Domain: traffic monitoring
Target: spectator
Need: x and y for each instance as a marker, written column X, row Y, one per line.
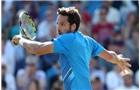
column 96, row 84
column 102, row 30
column 15, row 28
column 84, row 14
column 113, row 14
column 52, row 75
column 96, row 72
column 83, row 29
column 133, row 43
column 21, row 63
column 133, row 46
column 85, row 25
column 137, row 78
column 128, row 82
column 58, row 85
column 7, row 78
column 53, row 5
column 126, row 8
column 44, row 27
column 4, row 86
column 131, row 23
column 33, row 85
column 113, row 78
column 7, row 54
column 118, row 38
column 7, row 15
column 30, row 72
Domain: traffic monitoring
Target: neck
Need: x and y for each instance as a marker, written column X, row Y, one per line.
column 129, row 85
column 103, row 22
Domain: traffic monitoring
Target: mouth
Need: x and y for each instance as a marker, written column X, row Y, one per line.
column 60, row 33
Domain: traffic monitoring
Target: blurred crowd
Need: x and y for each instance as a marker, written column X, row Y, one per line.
column 114, row 24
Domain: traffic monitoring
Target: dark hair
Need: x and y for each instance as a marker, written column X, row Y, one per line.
column 73, row 15
column 4, row 85
column 135, row 14
column 73, row 2
column 105, row 8
column 136, row 29
column 96, row 78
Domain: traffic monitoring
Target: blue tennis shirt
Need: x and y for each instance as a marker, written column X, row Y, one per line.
column 75, row 52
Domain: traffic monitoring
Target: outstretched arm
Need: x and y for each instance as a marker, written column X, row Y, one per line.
column 34, row 47
column 112, row 57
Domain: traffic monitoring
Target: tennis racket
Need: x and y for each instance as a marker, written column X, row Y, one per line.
column 27, row 27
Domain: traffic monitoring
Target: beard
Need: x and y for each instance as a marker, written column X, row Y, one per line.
column 69, row 31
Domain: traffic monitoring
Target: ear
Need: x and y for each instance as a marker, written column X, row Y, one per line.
column 73, row 27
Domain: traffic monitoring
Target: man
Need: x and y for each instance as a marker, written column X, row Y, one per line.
column 101, row 31
column 30, row 71
column 113, row 15
column 96, row 83
column 128, row 82
column 8, row 78
column 75, row 50
column 118, row 80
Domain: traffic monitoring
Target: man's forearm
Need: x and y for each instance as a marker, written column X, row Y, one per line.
column 37, row 47
column 109, row 56
column 31, row 46
column 114, row 59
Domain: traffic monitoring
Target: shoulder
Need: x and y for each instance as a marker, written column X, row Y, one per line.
column 111, row 73
column 9, row 76
column 20, row 72
column 120, row 87
column 42, row 24
column 97, row 11
column 86, row 13
column 40, row 74
column 137, row 72
column 134, row 87
column 90, row 39
column 114, row 10
column 87, row 37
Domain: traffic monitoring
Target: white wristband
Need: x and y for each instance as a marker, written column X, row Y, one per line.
column 21, row 41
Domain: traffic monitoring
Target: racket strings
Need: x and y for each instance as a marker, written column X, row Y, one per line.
column 28, row 29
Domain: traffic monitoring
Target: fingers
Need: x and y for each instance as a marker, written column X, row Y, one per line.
column 120, row 55
column 125, row 59
column 126, row 68
column 127, row 64
column 123, row 69
column 15, row 40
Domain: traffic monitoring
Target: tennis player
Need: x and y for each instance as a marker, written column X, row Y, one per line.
column 75, row 50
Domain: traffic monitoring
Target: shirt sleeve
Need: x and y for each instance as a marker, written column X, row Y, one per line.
column 97, row 48
column 63, row 43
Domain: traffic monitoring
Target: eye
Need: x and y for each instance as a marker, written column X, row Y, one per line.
column 62, row 24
